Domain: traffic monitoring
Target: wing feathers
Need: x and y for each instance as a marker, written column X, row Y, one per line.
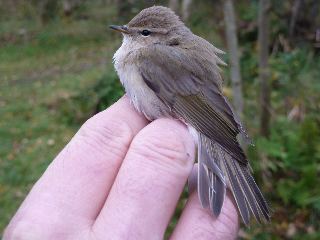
column 190, row 85
column 222, row 170
column 237, row 192
column 203, row 178
column 207, row 121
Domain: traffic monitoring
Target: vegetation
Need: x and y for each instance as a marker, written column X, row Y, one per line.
column 56, row 71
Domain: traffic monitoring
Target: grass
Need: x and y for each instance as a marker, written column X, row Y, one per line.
column 42, row 79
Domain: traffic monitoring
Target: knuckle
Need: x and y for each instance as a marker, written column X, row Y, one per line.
column 206, row 230
column 133, row 188
column 166, row 149
column 110, row 137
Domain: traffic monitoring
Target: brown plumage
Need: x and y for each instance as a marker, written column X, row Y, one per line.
column 168, row 71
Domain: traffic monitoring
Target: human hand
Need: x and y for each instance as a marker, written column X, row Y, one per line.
column 120, row 177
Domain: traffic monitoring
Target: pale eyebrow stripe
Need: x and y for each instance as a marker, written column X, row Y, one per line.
column 153, row 30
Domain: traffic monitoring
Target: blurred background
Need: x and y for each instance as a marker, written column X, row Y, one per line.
column 56, row 71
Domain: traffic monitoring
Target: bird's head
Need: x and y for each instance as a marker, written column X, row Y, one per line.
column 154, row 25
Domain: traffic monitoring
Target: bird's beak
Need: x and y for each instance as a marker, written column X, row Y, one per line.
column 123, row 29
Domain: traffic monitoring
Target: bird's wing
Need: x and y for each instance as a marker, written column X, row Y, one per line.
column 191, row 87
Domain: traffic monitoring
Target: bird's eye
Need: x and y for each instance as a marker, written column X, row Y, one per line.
column 145, row 32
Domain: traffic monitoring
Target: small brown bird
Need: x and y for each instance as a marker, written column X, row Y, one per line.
column 167, row 71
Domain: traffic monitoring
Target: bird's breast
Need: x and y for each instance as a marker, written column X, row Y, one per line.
column 141, row 96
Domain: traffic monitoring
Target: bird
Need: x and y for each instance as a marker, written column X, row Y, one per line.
column 169, row 72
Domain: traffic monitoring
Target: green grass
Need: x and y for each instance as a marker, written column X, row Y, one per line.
column 46, row 91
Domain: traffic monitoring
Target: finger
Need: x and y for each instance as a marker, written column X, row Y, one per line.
column 77, row 182
column 198, row 223
column 148, row 184
column 193, row 179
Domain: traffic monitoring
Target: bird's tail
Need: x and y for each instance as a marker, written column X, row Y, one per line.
column 218, row 170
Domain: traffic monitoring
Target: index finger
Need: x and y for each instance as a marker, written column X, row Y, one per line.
column 77, row 182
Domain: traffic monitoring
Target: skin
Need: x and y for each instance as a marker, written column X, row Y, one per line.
column 116, row 180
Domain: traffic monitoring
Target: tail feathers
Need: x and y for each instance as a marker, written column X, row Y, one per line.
column 211, row 182
column 218, row 170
